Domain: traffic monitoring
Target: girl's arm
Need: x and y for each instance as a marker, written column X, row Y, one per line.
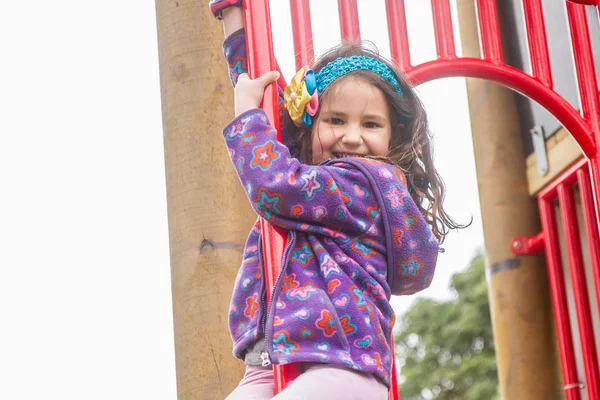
column 234, row 49
column 322, row 199
column 233, row 20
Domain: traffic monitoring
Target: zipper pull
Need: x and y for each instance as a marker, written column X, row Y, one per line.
column 266, row 361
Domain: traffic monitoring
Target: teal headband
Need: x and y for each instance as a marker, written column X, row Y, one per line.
column 342, row 66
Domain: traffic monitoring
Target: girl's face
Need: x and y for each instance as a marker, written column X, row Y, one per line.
column 354, row 119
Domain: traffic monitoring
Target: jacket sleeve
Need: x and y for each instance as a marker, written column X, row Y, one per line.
column 292, row 195
column 412, row 247
column 234, row 49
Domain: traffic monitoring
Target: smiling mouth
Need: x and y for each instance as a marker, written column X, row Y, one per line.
column 342, row 155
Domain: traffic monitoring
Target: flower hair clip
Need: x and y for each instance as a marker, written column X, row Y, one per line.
column 301, row 97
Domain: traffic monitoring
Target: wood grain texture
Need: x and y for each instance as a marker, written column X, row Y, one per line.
column 562, row 151
column 526, row 352
column 209, row 214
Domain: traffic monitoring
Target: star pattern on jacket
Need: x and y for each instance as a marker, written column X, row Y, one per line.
column 311, row 184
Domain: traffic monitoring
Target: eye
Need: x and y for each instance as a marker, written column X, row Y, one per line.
column 335, row 121
column 371, row 125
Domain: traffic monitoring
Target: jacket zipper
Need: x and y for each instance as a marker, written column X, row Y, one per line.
column 265, row 356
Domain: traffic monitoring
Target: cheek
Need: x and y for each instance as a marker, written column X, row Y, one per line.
column 315, row 146
column 323, row 137
column 380, row 144
column 388, row 139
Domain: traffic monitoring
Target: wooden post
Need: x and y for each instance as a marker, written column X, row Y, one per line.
column 526, row 352
column 209, row 214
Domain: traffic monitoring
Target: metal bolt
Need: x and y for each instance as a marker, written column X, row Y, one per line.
column 516, row 245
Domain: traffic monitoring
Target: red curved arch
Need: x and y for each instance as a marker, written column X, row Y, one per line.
column 514, row 79
column 585, row 2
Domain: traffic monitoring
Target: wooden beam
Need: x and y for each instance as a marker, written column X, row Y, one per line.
column 525, row 345
column 562, row 151
column 209, row 215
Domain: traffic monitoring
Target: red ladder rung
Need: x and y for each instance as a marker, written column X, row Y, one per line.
column 559, row 300
column 591, row 228
column 537, row 41
column 489, row 31
column 349, row 25
column 584, row 64
column 398, row 33
column 442, row 25
column 302, row 33
column 580, row 292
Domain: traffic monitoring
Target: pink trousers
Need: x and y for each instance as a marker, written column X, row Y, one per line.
column 319, row 381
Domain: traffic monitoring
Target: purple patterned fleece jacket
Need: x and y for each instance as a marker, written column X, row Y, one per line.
column 355, row 237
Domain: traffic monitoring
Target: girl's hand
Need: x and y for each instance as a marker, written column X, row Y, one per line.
column 249, row 92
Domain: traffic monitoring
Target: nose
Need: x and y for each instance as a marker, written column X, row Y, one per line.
column 352, row 136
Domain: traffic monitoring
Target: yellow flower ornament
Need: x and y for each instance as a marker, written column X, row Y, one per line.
column 301, row 97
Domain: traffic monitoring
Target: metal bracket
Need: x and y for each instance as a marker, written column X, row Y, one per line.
column 539, row 146
column 528, row 244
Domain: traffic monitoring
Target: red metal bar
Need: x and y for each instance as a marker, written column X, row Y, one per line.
column 584, row 65
column 595, row 175
column 591, row 227
column 489, row 31
column 590, row 208
column 528, row 245
column 585, row 2
column 302, row 31
column 398, row 33
column 559, row 301
column 538, row 44
column 393, row 392
column 349, row 25
column 442, row 25
column 588, row 89
column 281, row 81
column 260, row 61
column 568, row 177
column 580, row 292
column 261, row 58
column 514, row 79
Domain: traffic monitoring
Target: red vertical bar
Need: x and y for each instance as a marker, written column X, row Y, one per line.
column 595, row 175
column 442, row 25
column 261, row 58
column 538, row 43
column 302, row 30
column 349, row 26
column 588, row 91
column 584, row 66
column 489, row 31
column 559, row 299
column 591, row 226
column 260, row 61
column 580, row 293
column 398, row 33
column 393, row 392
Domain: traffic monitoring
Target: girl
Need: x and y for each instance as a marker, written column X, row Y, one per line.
column 356, row 190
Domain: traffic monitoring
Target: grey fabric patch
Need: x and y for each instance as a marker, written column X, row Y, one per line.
column 505, row 265
column 253, row 352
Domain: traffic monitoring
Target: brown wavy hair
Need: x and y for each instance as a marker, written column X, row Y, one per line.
column 410, row 144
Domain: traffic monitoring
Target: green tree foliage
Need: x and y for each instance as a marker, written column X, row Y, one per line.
column 446, row 349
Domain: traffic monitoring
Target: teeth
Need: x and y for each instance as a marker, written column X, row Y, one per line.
column 341, row 155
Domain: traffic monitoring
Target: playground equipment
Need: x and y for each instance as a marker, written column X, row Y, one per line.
column 584, row 127
column 548, row 240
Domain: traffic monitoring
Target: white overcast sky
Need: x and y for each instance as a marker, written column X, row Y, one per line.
column 85, row 302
